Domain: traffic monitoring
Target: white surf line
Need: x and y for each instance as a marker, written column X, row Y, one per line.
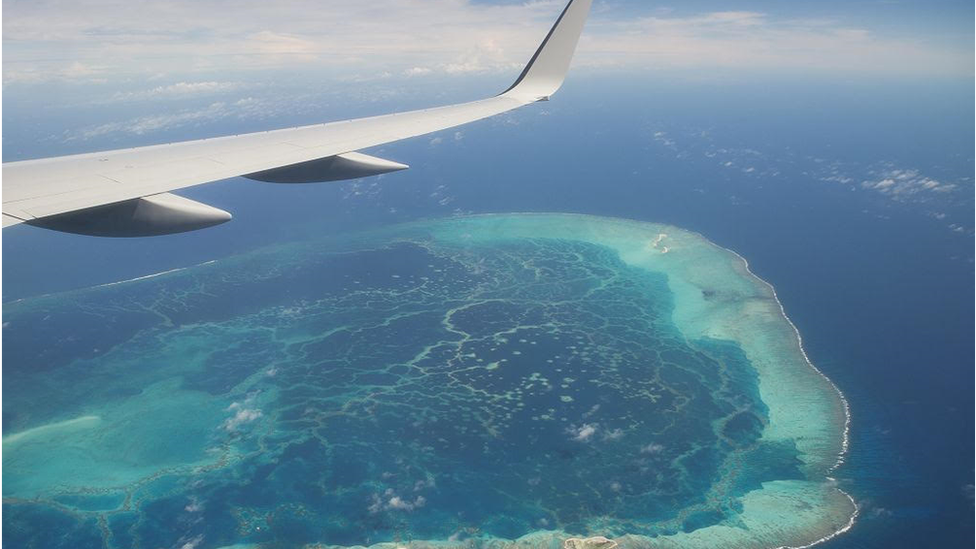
column 845, row 442
column 154, row 275
column 138, row 278
column 83, row 421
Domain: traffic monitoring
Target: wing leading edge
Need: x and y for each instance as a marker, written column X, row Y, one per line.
column 126, row 192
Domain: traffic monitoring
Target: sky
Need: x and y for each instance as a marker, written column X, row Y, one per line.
column 99, row 41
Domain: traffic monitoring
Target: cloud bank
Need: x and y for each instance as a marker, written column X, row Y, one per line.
column 88, row 40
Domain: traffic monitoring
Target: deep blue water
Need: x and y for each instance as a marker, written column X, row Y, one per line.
column 881, row 289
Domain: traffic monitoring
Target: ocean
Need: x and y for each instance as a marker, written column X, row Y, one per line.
column 876, row 277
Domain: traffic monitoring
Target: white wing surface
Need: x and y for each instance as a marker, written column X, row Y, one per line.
column 126, row 192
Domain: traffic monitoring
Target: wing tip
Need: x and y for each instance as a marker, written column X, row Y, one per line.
column 545, row 72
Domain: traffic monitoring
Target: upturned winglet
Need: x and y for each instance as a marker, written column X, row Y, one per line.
column 548, row 67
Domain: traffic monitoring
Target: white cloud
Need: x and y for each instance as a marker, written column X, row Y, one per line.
column 191, row 543
column 32, row 72
column 837, row 178
column 592, row 411
column 242, row 415
column 418, row 71
column 146, row 124
column 194, row 506
column 425, row 484
column 390, row 501
column 179, row 90
column 273, row 42
column 939, row 199
column 400, row 504
column 49, row 39
column 246, row 108
column 651, row 448
column 902, row 184
column 968, row 491
column 584, row 432
column 757, row 41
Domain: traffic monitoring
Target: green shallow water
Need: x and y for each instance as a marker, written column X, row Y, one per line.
column 480, row 380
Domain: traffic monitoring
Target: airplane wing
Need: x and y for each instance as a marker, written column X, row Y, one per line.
column 128, row 192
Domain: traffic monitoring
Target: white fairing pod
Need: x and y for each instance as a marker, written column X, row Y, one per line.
column 350, row 165
column 154, row 215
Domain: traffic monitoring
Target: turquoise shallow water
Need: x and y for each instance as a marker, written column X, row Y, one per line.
column 522, row 377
